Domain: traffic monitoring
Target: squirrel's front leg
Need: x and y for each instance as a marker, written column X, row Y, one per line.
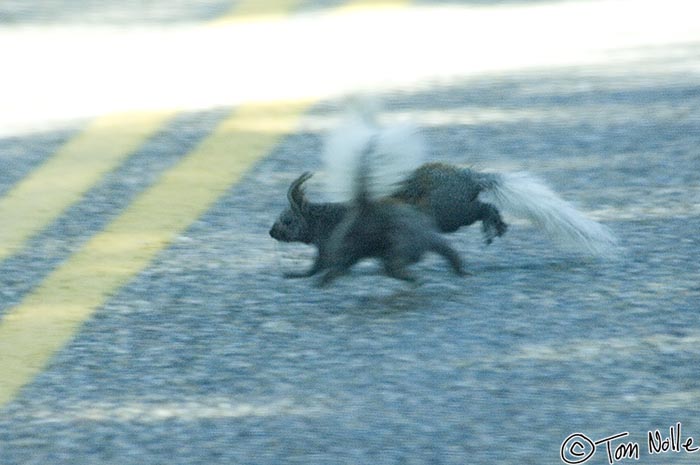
column 300, row 274
column 315, row 268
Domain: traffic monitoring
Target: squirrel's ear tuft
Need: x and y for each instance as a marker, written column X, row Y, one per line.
column 295, row 194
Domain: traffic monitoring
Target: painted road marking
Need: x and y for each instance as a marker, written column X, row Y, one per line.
column 48, row 318
column 50, row 189
column 80, row 163
column 258, row 8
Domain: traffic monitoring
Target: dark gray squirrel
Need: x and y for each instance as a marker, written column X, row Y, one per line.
column 449, row 195
column 380, row 227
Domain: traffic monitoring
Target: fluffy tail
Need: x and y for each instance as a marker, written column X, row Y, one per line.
column 524, row 196
column 363, row 157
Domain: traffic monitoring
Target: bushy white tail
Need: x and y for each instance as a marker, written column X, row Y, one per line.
column 525, row 196
column 395, row 151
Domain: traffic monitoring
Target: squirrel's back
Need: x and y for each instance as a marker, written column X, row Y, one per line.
column 454, row 182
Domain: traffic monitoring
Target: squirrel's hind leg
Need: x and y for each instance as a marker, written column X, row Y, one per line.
column 440, row 246
column 492, row 224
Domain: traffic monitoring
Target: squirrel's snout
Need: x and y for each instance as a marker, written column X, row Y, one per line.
column 275, row 232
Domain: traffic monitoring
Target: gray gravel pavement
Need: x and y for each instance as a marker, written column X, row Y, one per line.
column 209, row 356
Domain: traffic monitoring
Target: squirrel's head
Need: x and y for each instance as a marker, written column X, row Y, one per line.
column 292, row 224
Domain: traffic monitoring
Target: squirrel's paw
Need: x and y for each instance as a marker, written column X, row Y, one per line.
column 297, row 274
column 493, row 229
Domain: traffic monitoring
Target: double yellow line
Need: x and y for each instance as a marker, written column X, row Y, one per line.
column 62, row 180
column 49, row 317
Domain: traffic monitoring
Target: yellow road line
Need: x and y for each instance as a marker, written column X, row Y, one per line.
column 372, row 4
column 254, row 9
column 258, row 8
column 49, row 317
column 43, row 195
column 79, row 164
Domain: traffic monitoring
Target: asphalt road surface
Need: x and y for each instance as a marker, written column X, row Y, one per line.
column 206, row 355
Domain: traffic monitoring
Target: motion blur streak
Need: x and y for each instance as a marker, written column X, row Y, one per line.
column 82, row 71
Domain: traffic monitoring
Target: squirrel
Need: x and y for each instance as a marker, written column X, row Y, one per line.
column 452, row 196
column 369, row 224
column 379, row 227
